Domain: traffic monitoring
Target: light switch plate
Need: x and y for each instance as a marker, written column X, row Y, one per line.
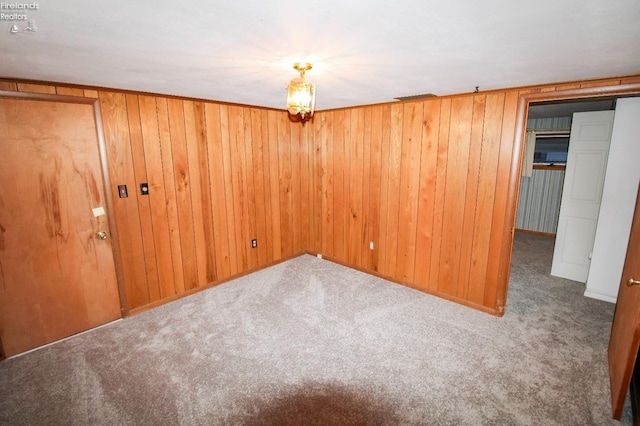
column 98, row 211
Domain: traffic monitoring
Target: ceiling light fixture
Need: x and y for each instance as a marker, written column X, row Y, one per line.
column 301, row 97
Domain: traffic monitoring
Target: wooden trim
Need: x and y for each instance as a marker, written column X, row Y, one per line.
column 582, row 93
column 422, row 289
column 126, row 92
column 549, row 167
column 535, row 88
column 47, row 97
column 516, row 160
column 212, row 284
column 111, row 213
column 528, row 231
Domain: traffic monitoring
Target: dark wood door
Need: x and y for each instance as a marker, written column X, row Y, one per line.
column 625, row 332
column 57, row 275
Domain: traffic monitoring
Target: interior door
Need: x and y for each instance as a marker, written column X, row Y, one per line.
column 57, row 276
column 581, row 194
column 625, row 332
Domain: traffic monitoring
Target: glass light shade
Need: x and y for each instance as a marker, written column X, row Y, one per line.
column 301, row 97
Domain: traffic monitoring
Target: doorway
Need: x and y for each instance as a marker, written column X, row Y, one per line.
column 630, row 90
column 560, row 190
column 540, row 190
column 556, row 103
column 56, row 257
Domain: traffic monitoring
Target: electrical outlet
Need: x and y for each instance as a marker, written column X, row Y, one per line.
column 254, row 243
column 371, row 245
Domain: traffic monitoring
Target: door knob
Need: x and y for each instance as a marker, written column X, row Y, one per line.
column 632, row 282
column 102, row 235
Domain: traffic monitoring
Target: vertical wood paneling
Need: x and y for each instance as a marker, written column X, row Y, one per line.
column 393, row 194
column 113, row 108
column 166, row 149
column 473, row 170
column 286, row 199
column 339, row 195
column 498, row 244
column 157, row 195
column 274, row 173
column 268, row 240
column 257, row 168
column 152, row 291
column 427, row 190
column 409, row 187
column 385, row 148
column 296, row 184
column 375, row 168
column 214, row 262
column 346, row 179
column 439, row 195
column 318, row 162
column 249, row 171
column 366, row 190
column 192, row 142
column 426, row 181
column 355, row 239
column 328, row 177
column 182, row 178
column 455, row 193
column 227, row 182
column 485, row 198
column 306, row 184
column 238, row 184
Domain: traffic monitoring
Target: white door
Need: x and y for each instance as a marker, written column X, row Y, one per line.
column 581, row 194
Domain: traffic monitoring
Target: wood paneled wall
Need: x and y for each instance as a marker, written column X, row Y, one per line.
column 422, row 181
column 219, row 176
column 429, row 182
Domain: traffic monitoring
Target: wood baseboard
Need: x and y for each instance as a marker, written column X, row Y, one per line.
column 161, row 302
column 495, row 312
column 544, row 234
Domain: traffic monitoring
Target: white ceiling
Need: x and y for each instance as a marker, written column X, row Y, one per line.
column 363, row 51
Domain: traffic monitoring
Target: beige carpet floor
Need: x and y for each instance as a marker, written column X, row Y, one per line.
column 311, row 342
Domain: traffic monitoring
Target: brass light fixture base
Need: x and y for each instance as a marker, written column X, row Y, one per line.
column 302, row 67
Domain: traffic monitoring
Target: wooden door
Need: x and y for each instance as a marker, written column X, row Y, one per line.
column 57, row 277
column 625, row 332
column 581, row 194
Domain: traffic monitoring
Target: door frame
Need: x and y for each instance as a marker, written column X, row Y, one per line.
column 524, row 100
column 104, row 166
